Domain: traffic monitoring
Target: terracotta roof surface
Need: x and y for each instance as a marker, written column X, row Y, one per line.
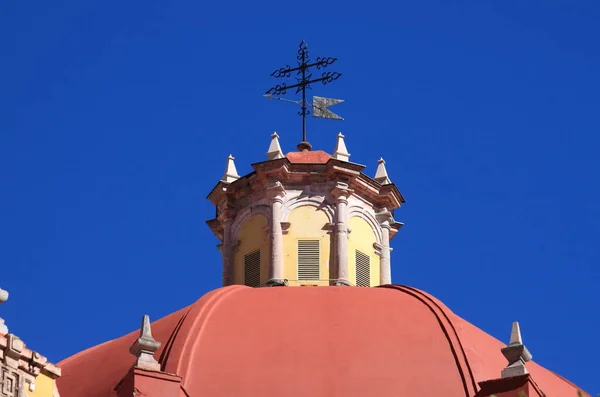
column 320, row 341
column 312, row 157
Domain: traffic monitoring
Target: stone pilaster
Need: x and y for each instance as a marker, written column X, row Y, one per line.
column 385, row 266
column 227, row 253
column 340, row 194
column 276, row 193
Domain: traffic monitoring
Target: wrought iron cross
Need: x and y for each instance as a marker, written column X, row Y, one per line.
column 304, row 80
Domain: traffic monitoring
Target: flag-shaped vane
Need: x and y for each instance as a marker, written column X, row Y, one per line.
column 320, row 105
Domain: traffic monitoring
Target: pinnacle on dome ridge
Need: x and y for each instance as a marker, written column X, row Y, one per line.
column 516, row 353
column 145, row 346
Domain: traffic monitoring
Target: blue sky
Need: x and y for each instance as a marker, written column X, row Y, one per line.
column 117, row 117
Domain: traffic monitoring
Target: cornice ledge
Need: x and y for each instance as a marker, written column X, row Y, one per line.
column 14, row 354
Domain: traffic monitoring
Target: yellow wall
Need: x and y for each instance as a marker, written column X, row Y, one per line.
column 44, row 387
column 362, row 238
column 252, row 236
column 306, row 223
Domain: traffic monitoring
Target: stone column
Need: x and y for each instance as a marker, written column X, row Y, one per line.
column 227, row 253
column 276, row 192
column 340, row 194
column 385, row 269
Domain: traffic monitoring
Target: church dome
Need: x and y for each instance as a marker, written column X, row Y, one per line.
column 325, row 341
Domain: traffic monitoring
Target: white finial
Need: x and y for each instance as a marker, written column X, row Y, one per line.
column 231, row 173
column 515, row 334
column 340, row 152
column 274, row 151
column 145, row 346
column 3, row 298
column 3, row 295
column 381, row 175
column 515, row 353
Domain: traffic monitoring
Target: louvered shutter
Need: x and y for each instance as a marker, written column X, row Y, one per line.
column 363, row 269
column 308, row 260
column 252, row 269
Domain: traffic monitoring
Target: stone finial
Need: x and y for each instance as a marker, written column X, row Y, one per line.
column 3, row 298
column 144, row 347
column 231, row 173
column 516, row 353
column 304, row 146
column 340, row 152
column 3, row 295
column 381, row 175
column 274, row 151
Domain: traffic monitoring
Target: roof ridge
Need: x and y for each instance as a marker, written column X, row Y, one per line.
column 434, row 307
column 164, row 356
column 191, row 331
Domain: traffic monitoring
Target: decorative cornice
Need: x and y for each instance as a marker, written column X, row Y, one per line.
column 22, row 365
column 341, row 192
column 275, row 192
column 384, row 217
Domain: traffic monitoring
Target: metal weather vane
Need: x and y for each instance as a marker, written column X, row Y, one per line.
column 304, row 78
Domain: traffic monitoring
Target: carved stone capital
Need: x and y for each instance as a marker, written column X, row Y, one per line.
column 341, row 282
column 341, row 192
column 385, row 218
column 275, row 192
column 227, row 216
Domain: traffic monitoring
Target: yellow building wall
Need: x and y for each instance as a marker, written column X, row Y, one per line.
column 362, row 238
column 252, row 236
column 44, row 387
column 306, row 223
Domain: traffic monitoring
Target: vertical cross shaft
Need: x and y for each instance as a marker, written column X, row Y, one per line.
column 303, row 96
column 305, row 79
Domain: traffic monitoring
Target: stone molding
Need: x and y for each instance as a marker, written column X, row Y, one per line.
column 367, row 216
column 312, row 201
column 247, row 213
column 275, row 192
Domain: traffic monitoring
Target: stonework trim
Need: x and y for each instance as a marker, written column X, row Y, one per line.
column 361, row 212
column 314, row 201
column 247, row 213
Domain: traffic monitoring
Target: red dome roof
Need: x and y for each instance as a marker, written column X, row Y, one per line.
column 321, row 341
column 312, row 157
